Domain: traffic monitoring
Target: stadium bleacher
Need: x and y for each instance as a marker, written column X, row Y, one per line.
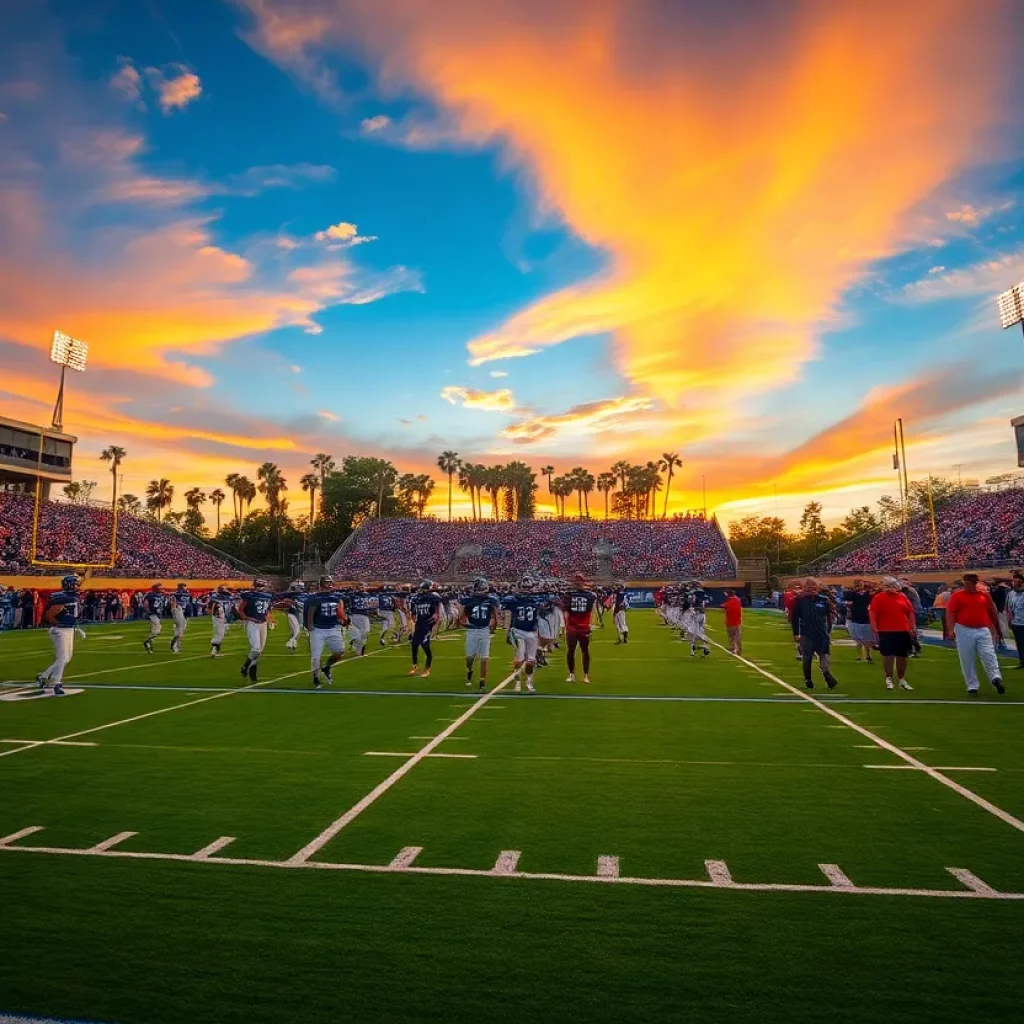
column 980, row 530
column 81, row 533
column 674, row 548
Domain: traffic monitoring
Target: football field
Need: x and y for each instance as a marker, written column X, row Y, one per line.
column 683, row 838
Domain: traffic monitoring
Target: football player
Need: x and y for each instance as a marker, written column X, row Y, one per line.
column 386, row 611
column 524, row 608
column 695, row 603
column 425, row 609
column 621, row 606
column 294, row 603
column 218, row 605
column 362, row 605
column 253, row 606
column 480, row 617
column 579, row 606
column 180, row 600
column 325, row 615
column 153, row 605
column 62, row 613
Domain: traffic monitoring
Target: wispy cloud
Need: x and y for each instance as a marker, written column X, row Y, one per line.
column 988, row 277
column 176, row 86
column 587, row 418
column 498, row 373
column 971, row 216
column 472, row 398
column 127, row 82
column 343, row 235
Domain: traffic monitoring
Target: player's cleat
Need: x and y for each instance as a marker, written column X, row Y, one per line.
column 571, row 678
column 998, row 684
column 530, row 687
column 693, row 651
column 890, row 685
column 586, row 680
column 469, row 679
column 483, row 685
column 414, row 671
column 425, row 673
column 808, row 684
column 707, row 651
column 316, row 681
column 972, row 693
column 831, row 681
column 58, row 690
column 252, row 672
column 41, row 680
column 244, row 671
column 904, row 685
column 617, row 642
column 518, row 688
column 148, row 644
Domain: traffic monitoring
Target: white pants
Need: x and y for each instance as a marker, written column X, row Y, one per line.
column 526, row 645
column 694, row 622
column 220, row 627
column 478, row 643
column 180, row 623
column 403, row 622
column 546, row 628
column 973, row 642
column 295, row 626
column 331, row 638
column 63, row 640
column 155, row 626
column 620, row 621
column 256, row 633
column 559, row 622
column 359, row 630
column 387, row 622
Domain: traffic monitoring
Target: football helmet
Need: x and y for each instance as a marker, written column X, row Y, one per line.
column 480, row 585
column 72, row 582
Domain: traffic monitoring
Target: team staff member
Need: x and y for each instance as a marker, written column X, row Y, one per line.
column 733, row 608
column 939, row 607
column 893, row 625
column 812, row 619
column 975, row 622
column 1015, row 613
column 578, row 605
column 858, row 618
column 62, row 613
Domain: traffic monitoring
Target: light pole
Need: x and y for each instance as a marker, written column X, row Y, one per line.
column 69, row 354
column 1011, row 313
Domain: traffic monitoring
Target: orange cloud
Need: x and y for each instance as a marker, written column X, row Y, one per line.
column 739, row 178
column 588, row 418
column 175, row 90
column 501, row 400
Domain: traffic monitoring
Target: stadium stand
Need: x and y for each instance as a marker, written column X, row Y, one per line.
column 690, row 547
column 984, row 530
column 81, row 533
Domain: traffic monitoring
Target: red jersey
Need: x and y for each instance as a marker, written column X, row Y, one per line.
column 578, row 605
column 975, row 610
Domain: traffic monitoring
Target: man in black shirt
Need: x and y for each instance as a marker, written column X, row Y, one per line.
column 858, row 622
column 812, row 619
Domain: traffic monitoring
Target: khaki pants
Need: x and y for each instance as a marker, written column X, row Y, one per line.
column 735, row 638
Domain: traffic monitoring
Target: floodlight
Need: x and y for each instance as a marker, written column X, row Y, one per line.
column 69, row 354
column 1011, row 307
column 68, row 351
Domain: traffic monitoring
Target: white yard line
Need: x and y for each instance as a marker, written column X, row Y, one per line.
column 607, row 867
column 404, row 858
column 212, row 848
column 396, row 753
column 836, row 876
column 949, row 783
column 109, row 844
column 399, row 773
column 56, row 743
column 506, row 866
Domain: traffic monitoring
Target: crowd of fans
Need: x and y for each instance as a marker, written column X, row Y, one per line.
column 682, row 547
column 82, row 533
column 982, row 530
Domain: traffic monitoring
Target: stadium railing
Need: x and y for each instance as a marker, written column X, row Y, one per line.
column 808, row 568
column 210, row 549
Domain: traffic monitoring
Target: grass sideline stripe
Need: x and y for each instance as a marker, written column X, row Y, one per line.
column 967, row 794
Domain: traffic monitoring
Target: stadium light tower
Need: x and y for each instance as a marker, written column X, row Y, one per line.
column 69, row 354
column 1011, row 307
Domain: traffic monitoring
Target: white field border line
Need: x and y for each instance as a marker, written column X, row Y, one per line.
column 55, row 743
column 159, row 711
column 506, row 867
column 938, row 768
column 967, row 794
column 396, row 753
column 400, row 772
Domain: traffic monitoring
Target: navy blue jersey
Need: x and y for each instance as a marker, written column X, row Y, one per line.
column 424, row 607
column 525, row 608
column 362, row 604
column 182, row 598
column 155, row 602
column 621, row 601
column 220, row 605
column 256, row 604
column 296, row 602
column 386, row 602
column 70, row 606
column 478, row 609
column 324, row 611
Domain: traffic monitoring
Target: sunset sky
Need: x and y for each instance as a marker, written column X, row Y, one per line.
column 751, row 233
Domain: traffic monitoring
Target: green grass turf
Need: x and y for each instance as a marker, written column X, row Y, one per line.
column 681, row 773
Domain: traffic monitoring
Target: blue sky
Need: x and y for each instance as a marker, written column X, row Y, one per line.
column 402, row 227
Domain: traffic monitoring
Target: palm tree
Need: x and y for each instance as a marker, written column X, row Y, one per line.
column 323, row 464
column 653, row 486
column 310, row 482
column 217, row 497
column 236, row 500
column 271, row 484
column 620, row 470
column 159, row 495
column 246, row 493
column 605, row 483
column 562, row 487
column 448, row 462
column 587, row 482
column 576, row 476
column 424, row 489
column 668, row 463
column 466, row 483
column 195, row 497
column 114, row 455
column 548, row 471
column 494, row 482
column 129, row 503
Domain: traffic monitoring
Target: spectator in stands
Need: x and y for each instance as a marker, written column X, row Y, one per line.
column 972, row 614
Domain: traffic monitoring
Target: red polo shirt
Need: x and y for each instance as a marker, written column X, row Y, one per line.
column 733, row 608
column 893, row 612
column 974, row 610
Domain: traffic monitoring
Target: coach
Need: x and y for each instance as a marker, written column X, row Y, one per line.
column 975, row 623
column 894, row 626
